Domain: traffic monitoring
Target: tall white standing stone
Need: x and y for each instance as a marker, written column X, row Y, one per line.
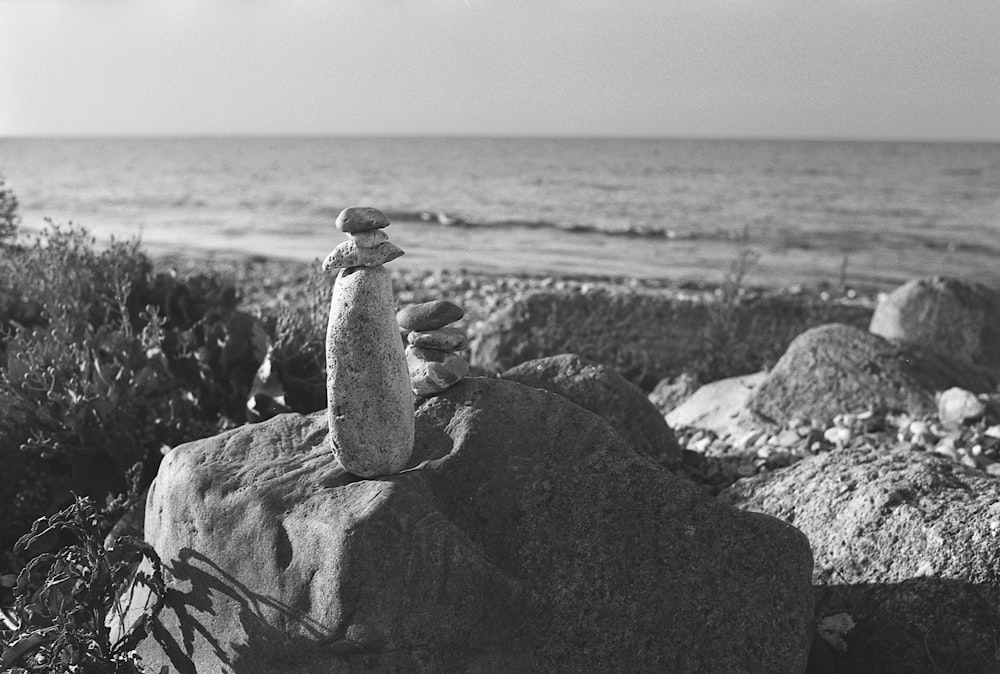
column 369, row 399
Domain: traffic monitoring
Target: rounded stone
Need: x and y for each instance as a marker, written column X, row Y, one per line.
column 956, row 406
column 370, row 402
column 442, row 339
column 361, row 219
column 432, row 371
column 369, row 239
column 429, row 315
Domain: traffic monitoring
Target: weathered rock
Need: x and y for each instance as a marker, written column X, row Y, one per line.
column 944, row 315
column 361, row 219
column 645, row 335
column 720, row 407
column 348, row 254
column 429, row 316
column 528, row 537
column 837, row 368
column 670, row 392
column 442, row 339
column 370, row 403
column 434, row 371
column 369, row 239
column 607, row 394
column 905, row 542
column 956, row 406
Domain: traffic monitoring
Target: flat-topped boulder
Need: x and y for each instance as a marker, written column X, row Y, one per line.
column 907, row 545
column 944, row 315
column 526, row 536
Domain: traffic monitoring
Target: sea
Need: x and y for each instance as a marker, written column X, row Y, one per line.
column 774, row 211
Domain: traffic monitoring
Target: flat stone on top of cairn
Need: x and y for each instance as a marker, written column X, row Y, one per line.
column 432, row 356
column 361, row 219
column 369, row 397
column 429, row 315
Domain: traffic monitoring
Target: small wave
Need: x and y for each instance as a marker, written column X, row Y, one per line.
column 633, row 231
column 964, row 172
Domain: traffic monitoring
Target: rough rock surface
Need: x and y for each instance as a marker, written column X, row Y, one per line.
column 644, row 335
column 906, row 543
column 608, row 395
column 836, row 368
column 945, row 315
column 528, row 537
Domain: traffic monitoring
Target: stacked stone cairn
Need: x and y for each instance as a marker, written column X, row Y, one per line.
column 432, row 354
column 369, row 401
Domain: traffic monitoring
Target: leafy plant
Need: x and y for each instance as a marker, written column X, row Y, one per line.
column 111, row 364
column 66, row 599
column 9, row 219
column 299, row 345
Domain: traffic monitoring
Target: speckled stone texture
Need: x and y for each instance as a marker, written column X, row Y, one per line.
column 607, row 394
column 370, row 404
column 907, row 543
column 526, row 538
column 946, row 315
column 837, row 368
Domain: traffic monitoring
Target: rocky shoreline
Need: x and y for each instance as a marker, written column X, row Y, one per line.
column 869, row 421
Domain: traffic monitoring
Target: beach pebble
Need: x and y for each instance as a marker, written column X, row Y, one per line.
column 434, row 371
column 947, row 448
column 787, row 438
column 369, row 239
column 993, row 469
column 993, row 432
column 361, row 219
column 956, row 406
column 429, row 315
column 837, row 435
column 348, row 254
column 442, row 339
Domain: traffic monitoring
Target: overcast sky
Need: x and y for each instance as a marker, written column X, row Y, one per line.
column 916, row 69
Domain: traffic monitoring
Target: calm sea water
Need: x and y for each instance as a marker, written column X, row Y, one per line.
column 606, row 206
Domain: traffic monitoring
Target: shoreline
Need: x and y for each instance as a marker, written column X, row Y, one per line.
column 868, row 266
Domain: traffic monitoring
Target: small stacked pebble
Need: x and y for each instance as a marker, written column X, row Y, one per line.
column 432, row 355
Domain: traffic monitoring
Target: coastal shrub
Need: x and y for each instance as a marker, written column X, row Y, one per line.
column 299, row 344
column 66, row 594
column 102, row 364
column 9, row 218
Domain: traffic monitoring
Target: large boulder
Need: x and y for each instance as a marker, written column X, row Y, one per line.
column 526, row 537
column 907, row 545
column 607, row 394
column 836, row 368
column 647, row 335
column 944, row 315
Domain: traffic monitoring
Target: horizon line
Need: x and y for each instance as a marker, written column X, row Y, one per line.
column 496, row 136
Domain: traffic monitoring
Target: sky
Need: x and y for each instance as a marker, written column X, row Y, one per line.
column 841, row 69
